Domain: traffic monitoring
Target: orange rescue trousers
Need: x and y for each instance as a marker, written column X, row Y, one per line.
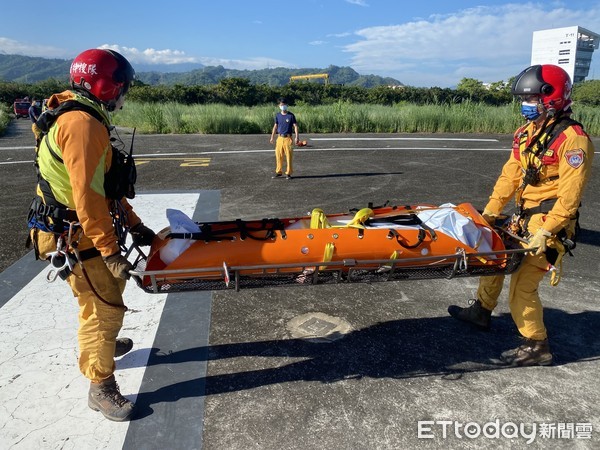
column 99, row 323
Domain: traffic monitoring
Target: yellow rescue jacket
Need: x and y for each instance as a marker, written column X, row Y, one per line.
column 564, row 169
column 76, row 177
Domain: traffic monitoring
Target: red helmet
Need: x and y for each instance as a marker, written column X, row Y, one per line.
column 550, row 82
column 105, row 74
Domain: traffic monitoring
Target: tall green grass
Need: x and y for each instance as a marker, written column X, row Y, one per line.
column 6, row 115
column 407, row 118
column 206, row 119
column 589, row 116
column 340, row 117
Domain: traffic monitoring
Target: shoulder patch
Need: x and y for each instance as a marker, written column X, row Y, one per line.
column 575, row 158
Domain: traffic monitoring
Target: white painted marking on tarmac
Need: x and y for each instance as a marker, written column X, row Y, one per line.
column 328, row 149
column 17, row 148
column 44, row 397
column 402, row 139
column 270, row 150
column 401, row 148
column 335, row 149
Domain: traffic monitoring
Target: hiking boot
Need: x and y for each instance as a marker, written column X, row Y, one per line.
column 106, row 398
column 288, row 177
column 530, row 353
column 474, row 314
column 124, row 345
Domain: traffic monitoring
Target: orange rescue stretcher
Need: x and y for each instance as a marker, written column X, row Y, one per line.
column 387, row 243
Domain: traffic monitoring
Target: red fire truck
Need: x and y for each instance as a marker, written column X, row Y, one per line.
column 21, row 107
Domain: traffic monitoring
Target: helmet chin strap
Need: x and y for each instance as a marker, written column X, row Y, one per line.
column 549, row 110
column 117, row 103
column 111, row 105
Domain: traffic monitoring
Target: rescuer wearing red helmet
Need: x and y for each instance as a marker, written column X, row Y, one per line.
column 546, row 173
column 80, row 216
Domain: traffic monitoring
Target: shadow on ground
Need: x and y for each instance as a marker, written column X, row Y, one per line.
column 341, row 175
column 590, row 237
column 397, row 349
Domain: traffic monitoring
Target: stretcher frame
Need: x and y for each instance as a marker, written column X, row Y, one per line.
column 459, row 264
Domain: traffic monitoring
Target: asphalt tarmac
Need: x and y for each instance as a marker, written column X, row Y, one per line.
column 406, row 375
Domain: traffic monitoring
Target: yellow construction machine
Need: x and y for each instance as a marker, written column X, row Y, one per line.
column 311, row 76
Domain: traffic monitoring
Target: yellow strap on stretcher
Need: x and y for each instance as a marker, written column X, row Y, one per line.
column 394, row 255
column 327, row 254
column 318, row 219
column 360, row 218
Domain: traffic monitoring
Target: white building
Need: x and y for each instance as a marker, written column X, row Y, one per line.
column 570, row 48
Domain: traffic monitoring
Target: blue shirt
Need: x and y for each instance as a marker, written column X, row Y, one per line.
column 33, row 113
column 285, row 123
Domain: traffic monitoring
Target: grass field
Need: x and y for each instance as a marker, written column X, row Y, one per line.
column 341, row 117
column 6, row 115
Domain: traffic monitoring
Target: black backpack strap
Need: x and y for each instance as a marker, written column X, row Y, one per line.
column 48, row 117
column 57, row 210
column 52, row 151
column 558, row 127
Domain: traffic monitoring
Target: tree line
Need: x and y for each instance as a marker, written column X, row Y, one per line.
column 278, row 76
column 241, row 92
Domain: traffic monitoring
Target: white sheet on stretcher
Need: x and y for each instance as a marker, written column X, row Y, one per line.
column 446, row 220
column 461, row 228
column 179, row 223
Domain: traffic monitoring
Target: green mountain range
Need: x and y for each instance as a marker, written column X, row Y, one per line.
column 28, row 69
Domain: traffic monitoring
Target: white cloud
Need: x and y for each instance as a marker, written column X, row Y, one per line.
column 147, row 56
column 339, row 35
column 167, row 56
column 151, row 55
column 12, row 47
column 486, row 43
column 317, row 42
column 357, row 2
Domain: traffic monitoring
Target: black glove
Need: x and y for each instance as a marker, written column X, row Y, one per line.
column 118, row 265
column 142, row 235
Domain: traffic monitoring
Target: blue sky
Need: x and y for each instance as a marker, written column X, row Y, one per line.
column 420, row 43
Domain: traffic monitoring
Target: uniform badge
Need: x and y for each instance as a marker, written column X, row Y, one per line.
column 575, row 158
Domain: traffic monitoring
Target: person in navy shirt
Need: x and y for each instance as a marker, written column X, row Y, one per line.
column 34, row 111
column 285, row 125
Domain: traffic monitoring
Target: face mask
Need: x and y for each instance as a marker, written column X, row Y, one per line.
column 530, row 110
column 283, row 107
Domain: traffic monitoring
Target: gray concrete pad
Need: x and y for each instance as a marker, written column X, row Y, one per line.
column 404, row 359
